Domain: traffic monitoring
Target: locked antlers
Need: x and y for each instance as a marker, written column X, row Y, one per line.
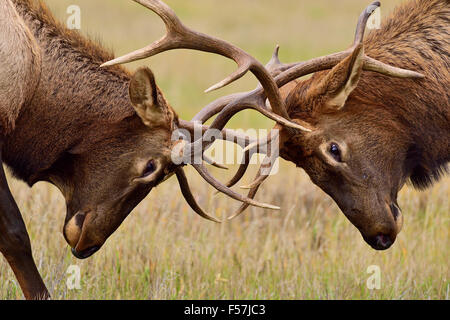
column 271, row 78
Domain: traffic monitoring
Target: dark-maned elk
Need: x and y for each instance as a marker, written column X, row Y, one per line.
column 367, row 127
column 103, row 137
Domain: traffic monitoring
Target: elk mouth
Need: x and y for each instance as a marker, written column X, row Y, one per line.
column 379, row 235
column 85, row 253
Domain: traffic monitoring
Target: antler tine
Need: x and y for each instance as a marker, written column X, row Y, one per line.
column 270, row 158
column 186, row 191
column 175, row 31
column 179, row 36
column 258, row 181
column 254, row 187
column 248, row 154
column 249, row 151
column 214, row 163
column 362, row 22
column 220, row 187
column 226, row 134
column 274, row 66
column 297, row 70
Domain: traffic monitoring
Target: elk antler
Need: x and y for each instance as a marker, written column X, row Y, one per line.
column 276, row 75
column 228, row 135
column 181, row 37
column 285, row 73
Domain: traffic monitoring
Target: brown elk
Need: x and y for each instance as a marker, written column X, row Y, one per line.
column 372, row 131
column 367, row 127
column 101, row 135
column 68, row 122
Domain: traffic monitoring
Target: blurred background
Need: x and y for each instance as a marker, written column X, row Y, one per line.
column 163, row 250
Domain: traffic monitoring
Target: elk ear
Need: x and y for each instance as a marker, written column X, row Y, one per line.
column 144, row 97
column 339, row 83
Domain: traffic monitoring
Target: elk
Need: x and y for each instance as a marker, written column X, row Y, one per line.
column 365, row 127
column 372, row 130
column 103, row 136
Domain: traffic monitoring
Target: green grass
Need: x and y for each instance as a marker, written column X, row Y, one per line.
column 308, row 250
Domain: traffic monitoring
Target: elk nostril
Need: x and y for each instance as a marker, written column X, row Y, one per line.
column 380, row 241
column 73, row 227
column 79, row 219
column 395, row 211
column 383, row 241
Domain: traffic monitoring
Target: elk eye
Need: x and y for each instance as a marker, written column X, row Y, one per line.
column 335, row 152
column 149, row 168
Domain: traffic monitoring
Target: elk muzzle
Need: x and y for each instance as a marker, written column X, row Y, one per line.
column 73, row 227
column 75, row 233
column 384, row 235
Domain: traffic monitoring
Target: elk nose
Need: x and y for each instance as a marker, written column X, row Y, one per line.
column 381, row 241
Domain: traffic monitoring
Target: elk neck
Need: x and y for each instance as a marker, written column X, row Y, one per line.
column 73, row 98
column 415, row 37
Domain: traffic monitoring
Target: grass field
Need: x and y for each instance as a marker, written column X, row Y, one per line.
column 308, row 250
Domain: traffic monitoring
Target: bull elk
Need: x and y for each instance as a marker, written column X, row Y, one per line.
column 365, row 127
column 104, row 137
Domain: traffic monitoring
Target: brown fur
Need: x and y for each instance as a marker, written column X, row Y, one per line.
column 70, row 73
column 72, row 123
column 394, row 129
column 20, row 64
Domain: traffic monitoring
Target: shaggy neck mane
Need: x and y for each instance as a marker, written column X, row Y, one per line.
column 44, row 25
column 416, row 37
column 74, row 98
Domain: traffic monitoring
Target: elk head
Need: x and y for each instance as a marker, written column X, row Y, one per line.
column 135, row 155
column 145, row 149
column 345, row 155
column 338, row 143
column 356, row 152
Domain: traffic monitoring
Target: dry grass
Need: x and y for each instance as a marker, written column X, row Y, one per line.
column 307, row 251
